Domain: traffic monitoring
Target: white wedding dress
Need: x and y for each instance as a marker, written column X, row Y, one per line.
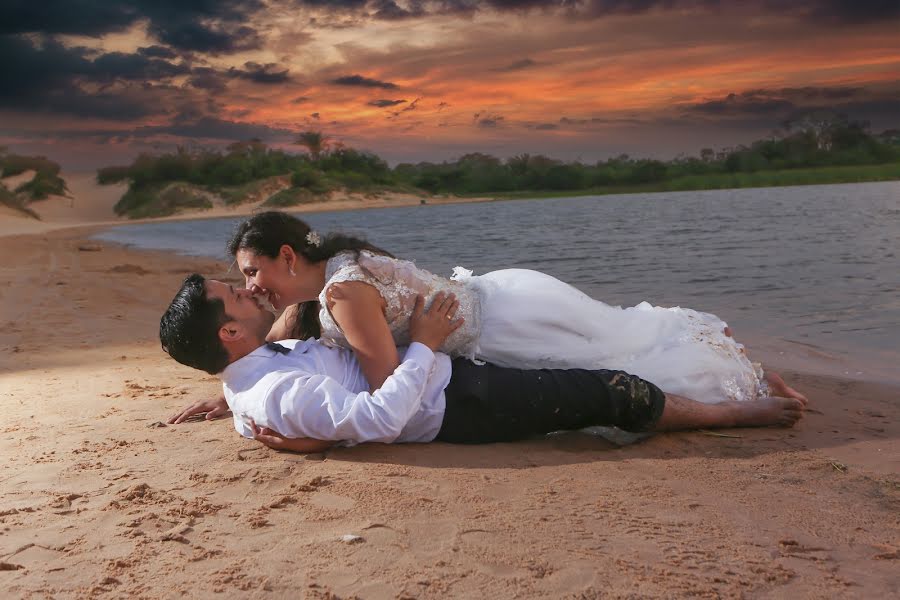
column 530, row 320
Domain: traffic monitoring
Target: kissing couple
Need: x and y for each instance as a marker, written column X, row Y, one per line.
column 369, row 347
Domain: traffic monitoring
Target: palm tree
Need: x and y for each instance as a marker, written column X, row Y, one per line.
column 314, row 141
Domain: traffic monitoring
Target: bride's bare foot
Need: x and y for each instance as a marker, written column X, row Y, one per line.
column 779, row 387
column 783, row 412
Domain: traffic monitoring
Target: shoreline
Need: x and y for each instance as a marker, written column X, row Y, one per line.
column 777, row 353
column 90, row 202
column 101, row 499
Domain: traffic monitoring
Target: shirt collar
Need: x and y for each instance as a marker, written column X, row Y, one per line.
column 234, row 369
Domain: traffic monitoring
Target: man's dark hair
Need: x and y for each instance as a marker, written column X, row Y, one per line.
column 189, row 329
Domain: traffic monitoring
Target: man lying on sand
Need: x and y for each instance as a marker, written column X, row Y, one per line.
column 304, row 396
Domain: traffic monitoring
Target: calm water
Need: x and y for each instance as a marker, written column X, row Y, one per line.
column 815, row 265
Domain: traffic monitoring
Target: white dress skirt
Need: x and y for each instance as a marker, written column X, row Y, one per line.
column 527, row 319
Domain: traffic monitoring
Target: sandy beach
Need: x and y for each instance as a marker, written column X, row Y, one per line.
column 100, row 499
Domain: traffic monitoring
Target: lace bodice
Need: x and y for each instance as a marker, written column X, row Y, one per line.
column 398, row 282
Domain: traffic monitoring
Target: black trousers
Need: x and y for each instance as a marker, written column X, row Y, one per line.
column 486, row 403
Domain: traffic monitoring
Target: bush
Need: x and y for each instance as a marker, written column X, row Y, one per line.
column 310, row 178
column 43, row 184
column 291, row 197
column 158, row 201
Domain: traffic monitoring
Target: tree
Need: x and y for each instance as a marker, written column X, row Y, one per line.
column 315, row 143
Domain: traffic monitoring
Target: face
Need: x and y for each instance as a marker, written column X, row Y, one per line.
column 269, row 277
column 243, row 308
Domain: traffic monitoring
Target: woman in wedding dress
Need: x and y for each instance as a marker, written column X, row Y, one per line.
column 349, row 293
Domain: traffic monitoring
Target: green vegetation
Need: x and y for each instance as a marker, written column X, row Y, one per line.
column 809, row 151
column 246, row 171
column 10, row 200
column 160, row 200
column 45, row 182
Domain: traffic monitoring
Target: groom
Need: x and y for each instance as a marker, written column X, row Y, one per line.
column 302, row 395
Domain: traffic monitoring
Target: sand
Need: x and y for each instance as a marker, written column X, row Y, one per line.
column 100, row 499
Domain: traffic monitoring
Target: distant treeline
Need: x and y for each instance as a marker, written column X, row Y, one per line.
column 809, row 151
column 45, row 182
column 806, row 145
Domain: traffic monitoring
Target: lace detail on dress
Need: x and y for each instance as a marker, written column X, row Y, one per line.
column 398, row 282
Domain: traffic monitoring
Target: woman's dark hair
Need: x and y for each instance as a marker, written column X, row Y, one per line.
column 265, row 233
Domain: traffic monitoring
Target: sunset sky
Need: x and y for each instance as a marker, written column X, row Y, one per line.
column 91, row 82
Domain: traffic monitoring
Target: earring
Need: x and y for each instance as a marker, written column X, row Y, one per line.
column 291, row 271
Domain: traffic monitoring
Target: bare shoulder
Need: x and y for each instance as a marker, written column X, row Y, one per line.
column 352, row 292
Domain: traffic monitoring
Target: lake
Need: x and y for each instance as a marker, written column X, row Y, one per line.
column 814, row 266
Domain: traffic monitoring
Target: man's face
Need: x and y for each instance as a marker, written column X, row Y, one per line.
column 242, row 307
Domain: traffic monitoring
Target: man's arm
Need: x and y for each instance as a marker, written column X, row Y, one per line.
column 316, row 406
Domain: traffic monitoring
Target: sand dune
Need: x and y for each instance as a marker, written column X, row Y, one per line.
column 89, row 203
column 99, row 499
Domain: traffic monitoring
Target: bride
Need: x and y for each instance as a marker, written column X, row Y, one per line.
column 349, row 293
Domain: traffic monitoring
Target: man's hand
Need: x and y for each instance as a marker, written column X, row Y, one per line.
column 435, row 325
column 213, row 409
column 276, row 441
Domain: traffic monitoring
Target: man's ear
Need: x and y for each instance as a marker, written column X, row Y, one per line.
column 231, row 332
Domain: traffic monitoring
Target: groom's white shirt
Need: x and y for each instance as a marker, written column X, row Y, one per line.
column 320, row 392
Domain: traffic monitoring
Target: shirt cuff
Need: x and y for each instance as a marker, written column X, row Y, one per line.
column 420, row 354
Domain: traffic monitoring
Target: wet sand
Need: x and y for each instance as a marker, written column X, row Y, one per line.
column 99, row 499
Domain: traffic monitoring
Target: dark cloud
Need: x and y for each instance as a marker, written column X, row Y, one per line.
column 207, row 127
column 41, row 77
column 84, row 17
column 778, row 103
column 849, row 12
column 761, row 107
column 300, row 100
column 412, row 106
column 157, row 52
column 222, row 39
column 388, row 10
column 746, row 103
column 485, row 121
column 49, row 78
column 257, row 73
column 133, row 67
column 546, row 126
column 207, row 78
column 384, row 103
column 828, row 11
column 360, row 81
column 212, row 26
column 525, row 63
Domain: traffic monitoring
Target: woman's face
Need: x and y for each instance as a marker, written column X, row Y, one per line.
column 270, row 277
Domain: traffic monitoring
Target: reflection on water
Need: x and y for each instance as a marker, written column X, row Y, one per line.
column 817, row 264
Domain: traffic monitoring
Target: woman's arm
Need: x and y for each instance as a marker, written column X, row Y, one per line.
column 283, row 327
column 358, row 309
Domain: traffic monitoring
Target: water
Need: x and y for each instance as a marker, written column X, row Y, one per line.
column 815, row 265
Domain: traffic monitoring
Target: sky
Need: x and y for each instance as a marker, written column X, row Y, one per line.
column 92, row 83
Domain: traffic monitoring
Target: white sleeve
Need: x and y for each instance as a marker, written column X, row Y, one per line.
column 317, row 406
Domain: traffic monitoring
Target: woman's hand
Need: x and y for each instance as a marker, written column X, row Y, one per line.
column 213, row 409
column 276, row 441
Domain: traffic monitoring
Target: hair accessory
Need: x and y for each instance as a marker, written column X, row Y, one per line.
column 313, row 239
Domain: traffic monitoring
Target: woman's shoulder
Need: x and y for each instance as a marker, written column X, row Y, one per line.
column 346, row 259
